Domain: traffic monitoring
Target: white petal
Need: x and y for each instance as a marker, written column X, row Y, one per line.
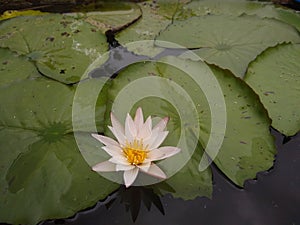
column 115, row 123
column 105, row 140
column 162, row 124
column 130, row 176
column 105, row 166
column 155, row 171
column 113, row 150
column 130, row 129
column 146, row 129
column 144, row 166
column 119, row 135
column 119, row 160
column 120, row 167
column 139, row 119
column 169, row 151
column 151, row 139
column 117, row 129
column 160, row 138
column 155, row 154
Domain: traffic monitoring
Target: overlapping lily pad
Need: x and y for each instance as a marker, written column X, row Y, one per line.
column 14, row 68
column 155, row 17
column 43, row 174
column 237, row 8
column 275, row 77
column 196, row 183
column 243, row 153
column 248, row 147
column 110, row 16
column 227, row 41
column 61, row 46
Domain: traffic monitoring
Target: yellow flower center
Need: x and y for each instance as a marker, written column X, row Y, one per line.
column 135, row 152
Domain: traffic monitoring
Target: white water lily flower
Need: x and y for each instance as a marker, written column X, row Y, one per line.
column 136, row 148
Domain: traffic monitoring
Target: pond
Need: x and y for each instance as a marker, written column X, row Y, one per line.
column 165, row 112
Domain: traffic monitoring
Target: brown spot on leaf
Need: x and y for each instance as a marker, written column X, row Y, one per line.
column 65, row 34
column 50, row 39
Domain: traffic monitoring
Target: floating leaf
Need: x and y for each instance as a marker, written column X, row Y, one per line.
column 61, row 47
column 239, row 7
column 115, row 16
column 218, row 7
column 14, row 68
column 227, row 41
column 159, row 105
column 275, row 77
column 43, row 174
column 156, row 16
column 196, row 183
column 248, row 147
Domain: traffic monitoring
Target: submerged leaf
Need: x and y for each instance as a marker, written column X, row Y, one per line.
column 275, row 77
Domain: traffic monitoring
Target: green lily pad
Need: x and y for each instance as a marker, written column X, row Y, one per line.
column 116, row 15
column 14, row 68
column 155, row 17
column 36, row 100
column 275, row 77
column 218, row 7
column 159, row 105
column 196, row 183
column 239, row 7
column 248, row 146
column 227, row 41
column 60, row 46
column 43, row 174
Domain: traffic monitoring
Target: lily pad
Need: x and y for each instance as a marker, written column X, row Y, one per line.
column 61, row 46
column 14, row 68
column 155, row 17
column 239, row 7
column 227, row 41
column 244, row 151
column 115, row 16
column 218, row 7
column 248, row 146
column 275, row 77
column 43, row 174
column 196, row 183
